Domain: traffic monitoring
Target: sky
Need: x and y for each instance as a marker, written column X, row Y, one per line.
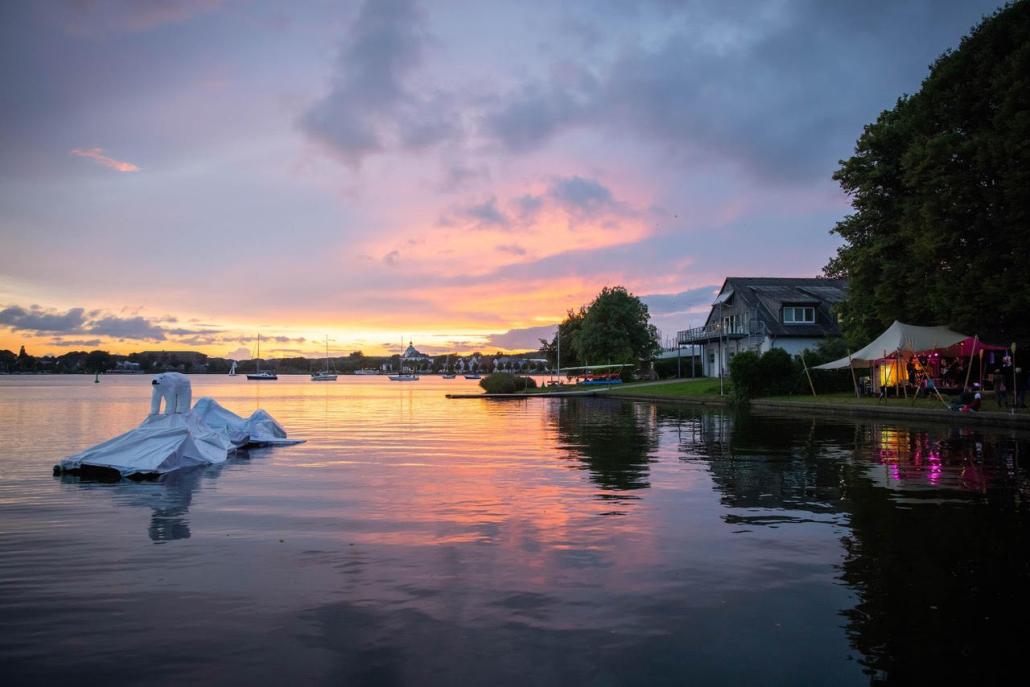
column 187, row 175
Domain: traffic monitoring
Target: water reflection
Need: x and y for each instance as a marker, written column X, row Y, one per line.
column 168, row 499
column 418, row 540
column 936, row 530
column 614, row 440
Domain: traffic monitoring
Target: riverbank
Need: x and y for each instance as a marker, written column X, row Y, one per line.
column 705, row 392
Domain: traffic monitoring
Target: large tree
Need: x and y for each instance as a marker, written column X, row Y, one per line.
column 940, row 186
column 616, row 329
column 568, row 333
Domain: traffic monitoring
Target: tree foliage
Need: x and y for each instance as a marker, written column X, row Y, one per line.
column 568, row 333
column 940, row 187
column 616, row 329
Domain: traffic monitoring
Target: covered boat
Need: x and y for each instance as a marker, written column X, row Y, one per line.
column 180, row 437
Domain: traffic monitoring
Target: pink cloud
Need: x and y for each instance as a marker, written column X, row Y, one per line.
column 97, row 155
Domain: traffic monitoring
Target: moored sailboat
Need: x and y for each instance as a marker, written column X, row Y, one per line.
column 325, row 375
column 260, row 375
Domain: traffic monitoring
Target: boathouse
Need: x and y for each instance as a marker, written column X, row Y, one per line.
column 761, row 313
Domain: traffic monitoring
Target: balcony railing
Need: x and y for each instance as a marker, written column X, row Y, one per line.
column 750, row 327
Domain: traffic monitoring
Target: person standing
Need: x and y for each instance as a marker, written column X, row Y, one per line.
column 1000, row 391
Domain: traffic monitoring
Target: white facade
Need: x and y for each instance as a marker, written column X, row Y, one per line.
column 761, row 313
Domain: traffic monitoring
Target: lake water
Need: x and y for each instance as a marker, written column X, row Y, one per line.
column 415, row 540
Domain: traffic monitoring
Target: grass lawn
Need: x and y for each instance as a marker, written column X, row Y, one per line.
column 688, row 387
column 931, row 403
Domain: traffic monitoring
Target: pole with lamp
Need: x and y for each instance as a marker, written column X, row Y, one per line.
column 722, row 354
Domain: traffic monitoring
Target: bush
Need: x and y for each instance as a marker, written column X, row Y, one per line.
column 745, row 374
column 772, row 374
column 777, row 373
column 505, row 383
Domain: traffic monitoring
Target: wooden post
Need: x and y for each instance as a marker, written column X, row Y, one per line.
column 972, row 352
column 982, row 371
column 807, row 374
column 1015, row 381
column 854, row 381
column 898, row 380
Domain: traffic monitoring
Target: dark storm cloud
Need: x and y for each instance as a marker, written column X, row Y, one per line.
column 785, row 92
column 97, row 323
column 673, row 303
column 127, row 328
column 487, row 214
column 36, row 319
column 582, row 194
column 371, row 104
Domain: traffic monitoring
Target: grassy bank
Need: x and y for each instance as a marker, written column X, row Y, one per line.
column 931, row 403
column 672, row 389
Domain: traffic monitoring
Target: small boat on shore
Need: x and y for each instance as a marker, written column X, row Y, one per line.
column 473, row 376
column 404, row 377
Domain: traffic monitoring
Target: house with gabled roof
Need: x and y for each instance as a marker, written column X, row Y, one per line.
column 761, row 313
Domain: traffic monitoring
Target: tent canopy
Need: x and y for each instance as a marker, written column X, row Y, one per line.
column 899, row 337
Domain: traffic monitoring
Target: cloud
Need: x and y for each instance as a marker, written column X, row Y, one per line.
column 38, row 320
column 525, row 119
column 97, row 155
column 101, row 16
column 75, row 343
column 582, row 194
column 241, row 353
column 127, row 328
column 512, row 249
column 782, row 91
column 486, row 214
column 684, row 301
column 98, row 323
column 371, row 105
column 527, row 338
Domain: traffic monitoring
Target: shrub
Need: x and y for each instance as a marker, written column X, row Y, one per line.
column 506, row 383
column 745, row 374
column 772, row 374
column 777, row 373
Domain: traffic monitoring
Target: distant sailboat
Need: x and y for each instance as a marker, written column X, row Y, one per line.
column 258, row 375
column 447, row 374
column 403, row 376
column 325, row 375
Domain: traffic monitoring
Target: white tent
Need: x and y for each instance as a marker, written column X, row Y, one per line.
column 898, row 337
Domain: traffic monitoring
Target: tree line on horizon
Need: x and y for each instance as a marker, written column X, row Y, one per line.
column 100, row 361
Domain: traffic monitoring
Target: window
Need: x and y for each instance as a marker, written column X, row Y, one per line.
column 797, row 314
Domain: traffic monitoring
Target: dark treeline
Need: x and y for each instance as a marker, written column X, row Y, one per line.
column 192, row 362
column 940, row 187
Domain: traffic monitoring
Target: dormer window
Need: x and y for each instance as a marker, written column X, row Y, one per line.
column 798, row 314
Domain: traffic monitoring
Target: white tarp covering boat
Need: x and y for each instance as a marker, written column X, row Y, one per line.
column 260, row 429
column 898, row 337
column 180, row 437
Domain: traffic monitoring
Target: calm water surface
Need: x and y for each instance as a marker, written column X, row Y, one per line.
column 416, row 540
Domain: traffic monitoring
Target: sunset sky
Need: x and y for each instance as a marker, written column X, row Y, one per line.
column 184, row 175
